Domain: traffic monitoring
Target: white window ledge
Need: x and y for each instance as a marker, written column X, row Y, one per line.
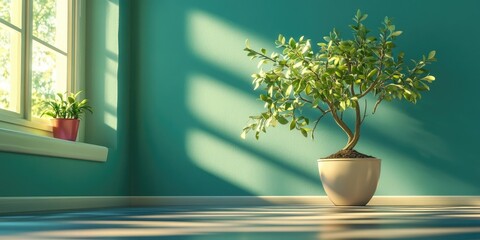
column 18, row 142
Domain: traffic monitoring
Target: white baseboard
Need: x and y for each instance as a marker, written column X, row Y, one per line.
column 227, row 200
column 35, row 204
column 301, row 200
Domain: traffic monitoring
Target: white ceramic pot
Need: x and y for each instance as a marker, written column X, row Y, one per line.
column 349, row 181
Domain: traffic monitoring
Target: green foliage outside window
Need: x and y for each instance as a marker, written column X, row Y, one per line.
column 43, row 78
column 44, row 60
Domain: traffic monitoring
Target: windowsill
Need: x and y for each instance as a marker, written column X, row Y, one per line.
column 18, row 142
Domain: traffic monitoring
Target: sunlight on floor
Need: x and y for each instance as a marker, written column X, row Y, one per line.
column 261, row 222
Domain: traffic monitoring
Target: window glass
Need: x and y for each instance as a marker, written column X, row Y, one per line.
column 49, row 51
column 50, row 22
column 35, row 58
column 49, row 74
column 10, row 68
column 11, row 11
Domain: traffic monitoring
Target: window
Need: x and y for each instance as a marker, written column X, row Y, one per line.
column 37, row 57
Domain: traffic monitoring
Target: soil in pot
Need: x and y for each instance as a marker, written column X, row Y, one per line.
column 348, row 154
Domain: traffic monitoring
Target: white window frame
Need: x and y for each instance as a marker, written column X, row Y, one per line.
column 24, row 122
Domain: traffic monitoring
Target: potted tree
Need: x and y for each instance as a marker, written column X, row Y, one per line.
column 66, row 111
column 334, row 79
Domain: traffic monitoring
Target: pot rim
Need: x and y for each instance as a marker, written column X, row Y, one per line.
column 66, row 119
column 347, row 159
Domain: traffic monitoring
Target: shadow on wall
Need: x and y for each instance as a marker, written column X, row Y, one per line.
column 190, row 144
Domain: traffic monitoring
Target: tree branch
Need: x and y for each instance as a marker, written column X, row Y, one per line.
column 304, row 99
column 308, row 101
column 318, row 120
column 316, row 74
column 358, row 122
column 340, row 122
column 380, row 99
column 380, row 69
column 364, row 111
column 261, row 54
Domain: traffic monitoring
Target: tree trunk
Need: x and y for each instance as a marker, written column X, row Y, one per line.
column 352, row 142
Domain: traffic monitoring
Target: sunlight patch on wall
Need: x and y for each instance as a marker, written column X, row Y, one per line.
column 111, row 27
column 110, row 120
column 404, row 175
column 408, row 131
column 111, row 65
column 226, row 109
column 243, row 169
column 111, row 93
column 221, row 43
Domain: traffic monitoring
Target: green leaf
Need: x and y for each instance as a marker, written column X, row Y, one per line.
column 421, row 86
column 288, row 106
column 291, row 42
column 315, row 102
column 243, row 135
column 282, row 120
column 428, row 78
column 289, row 90
column 260, row 63
column 281, row 39
column 371, row 39
column 293, row 124
column 372, row 73
column 364, row 16
column 358, row 15
column 270, row 91
column 396, row 33
column 431, row 55
column 304, row 132
column 267, row 122
column 298, row 64
column 308, row 89
column 391, row 27
column 247, row 44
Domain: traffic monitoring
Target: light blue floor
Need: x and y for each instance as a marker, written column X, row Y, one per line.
column 244, row 223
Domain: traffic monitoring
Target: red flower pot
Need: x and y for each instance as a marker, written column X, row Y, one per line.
column 65, row 128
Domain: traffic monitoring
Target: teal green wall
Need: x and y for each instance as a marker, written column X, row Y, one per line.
column 172, row 92
column 192, row 96
column 27, row 175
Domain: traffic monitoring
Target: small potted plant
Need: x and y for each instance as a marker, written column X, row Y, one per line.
column 66, row 111
column 333, row 79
